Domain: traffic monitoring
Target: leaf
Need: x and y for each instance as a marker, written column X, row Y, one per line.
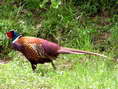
column 55, row 3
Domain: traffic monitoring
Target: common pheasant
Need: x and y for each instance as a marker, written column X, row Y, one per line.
column 39, row 51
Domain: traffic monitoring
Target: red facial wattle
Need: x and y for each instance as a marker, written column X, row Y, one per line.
column 9, row 35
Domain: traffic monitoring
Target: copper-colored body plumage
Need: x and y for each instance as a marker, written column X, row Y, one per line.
column 37, row 50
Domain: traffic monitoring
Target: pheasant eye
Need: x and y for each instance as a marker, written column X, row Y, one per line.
column 9, row 35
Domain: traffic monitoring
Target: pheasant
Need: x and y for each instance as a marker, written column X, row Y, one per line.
column 40, row 51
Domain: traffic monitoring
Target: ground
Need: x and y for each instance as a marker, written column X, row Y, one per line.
column 73, row 72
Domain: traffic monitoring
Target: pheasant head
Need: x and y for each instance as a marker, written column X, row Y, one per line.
column 12, row 35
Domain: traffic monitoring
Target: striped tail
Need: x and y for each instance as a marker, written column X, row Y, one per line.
column 74, row 51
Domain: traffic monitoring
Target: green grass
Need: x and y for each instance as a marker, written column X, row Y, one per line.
column 73, row 72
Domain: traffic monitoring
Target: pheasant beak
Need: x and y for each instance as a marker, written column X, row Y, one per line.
column 9, row 35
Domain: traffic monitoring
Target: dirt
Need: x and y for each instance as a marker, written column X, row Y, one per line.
column 4, row 60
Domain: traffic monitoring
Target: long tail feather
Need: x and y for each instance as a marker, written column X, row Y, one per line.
column 74, row 51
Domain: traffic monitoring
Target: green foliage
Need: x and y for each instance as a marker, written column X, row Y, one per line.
column 113, row 40
column 95, row 7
